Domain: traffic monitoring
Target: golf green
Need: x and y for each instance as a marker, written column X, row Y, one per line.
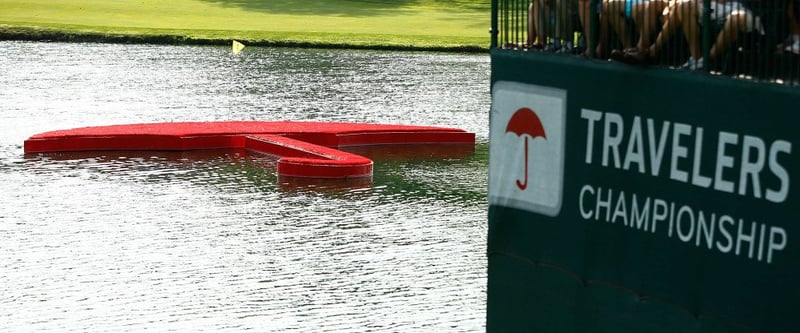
column 417, row 24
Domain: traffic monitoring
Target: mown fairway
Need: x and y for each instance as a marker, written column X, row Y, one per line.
column 418, row 23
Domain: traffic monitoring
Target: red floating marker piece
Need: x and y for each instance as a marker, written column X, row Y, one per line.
column 306, row 149
column 303, row 159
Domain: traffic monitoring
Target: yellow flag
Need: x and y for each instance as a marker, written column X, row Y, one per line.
column 237, row 47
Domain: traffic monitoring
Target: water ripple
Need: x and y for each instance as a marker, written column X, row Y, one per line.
column 213, row 240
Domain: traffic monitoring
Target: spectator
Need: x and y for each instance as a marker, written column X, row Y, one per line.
column 793, row 12
column 645, row 14
column 536, row 40
column 584, row 15
column 553, row 20
column 729, row 18
column 614, row 16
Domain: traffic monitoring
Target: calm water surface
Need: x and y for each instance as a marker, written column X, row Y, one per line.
column 213, row 240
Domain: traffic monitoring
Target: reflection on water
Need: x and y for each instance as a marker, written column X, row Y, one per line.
column 117, row 241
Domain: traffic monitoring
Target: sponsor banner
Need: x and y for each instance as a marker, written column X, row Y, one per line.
column 614, row 208
column 528, row 130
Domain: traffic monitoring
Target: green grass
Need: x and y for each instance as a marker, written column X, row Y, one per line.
column 417, row 24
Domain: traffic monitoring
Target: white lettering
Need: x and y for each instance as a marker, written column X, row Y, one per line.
column 761, row 242
column 656, row 149
column 780, row 195
column 704, row 229
column 639, row 219
column 584, row 213
column 620, row 209
column 591, row 117
column 739, row 173
column 697, row 178
column 724, row 161
column 752, row 168
column 773, row 242
column 712, row 231
column 725, row 219
column 678, row 151
column 611, row 143
column 635, row 152
column 603, row 204
column 685, row 210
column 671, row 218
column 742, row 237
column 659, row 213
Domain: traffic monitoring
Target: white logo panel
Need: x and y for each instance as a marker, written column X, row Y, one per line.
column 526, row 147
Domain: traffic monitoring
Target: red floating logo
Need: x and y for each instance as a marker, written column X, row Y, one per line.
column 306, row 149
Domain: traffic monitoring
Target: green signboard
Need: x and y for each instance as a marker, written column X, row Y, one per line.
column 628, row 199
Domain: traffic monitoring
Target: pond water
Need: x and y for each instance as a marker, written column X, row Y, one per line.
column 213, row 240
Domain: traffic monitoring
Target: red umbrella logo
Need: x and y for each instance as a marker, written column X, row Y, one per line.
column 525, row 121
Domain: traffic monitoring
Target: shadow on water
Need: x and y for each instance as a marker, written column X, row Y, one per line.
column 222, row 168
column 344, row 7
